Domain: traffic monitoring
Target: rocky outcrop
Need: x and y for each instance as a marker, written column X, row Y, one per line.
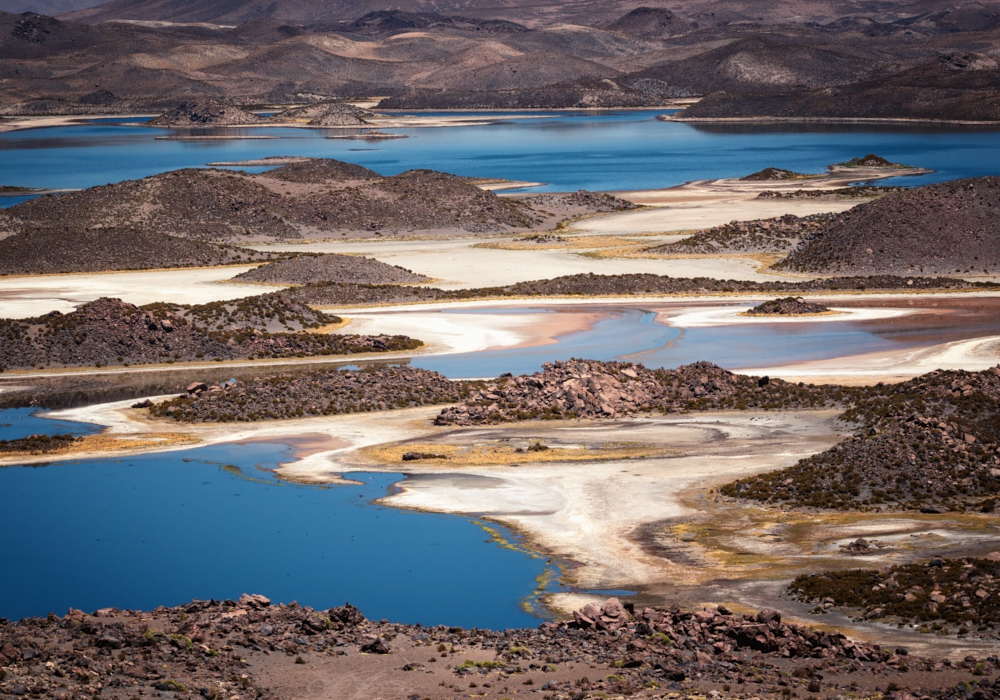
column 206, row 114
column 590, row 389
column 327, row 114
column 788, row 306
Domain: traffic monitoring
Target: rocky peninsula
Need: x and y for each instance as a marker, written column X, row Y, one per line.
column 109, row 332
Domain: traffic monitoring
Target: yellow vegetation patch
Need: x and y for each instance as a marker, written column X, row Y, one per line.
column 330, row 327
column 503, row 452
column 771, row 543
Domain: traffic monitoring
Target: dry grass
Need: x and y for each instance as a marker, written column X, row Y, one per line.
column 503, row 452
column 764, row 260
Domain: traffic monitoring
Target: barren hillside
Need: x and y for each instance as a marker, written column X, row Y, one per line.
column 947, row 228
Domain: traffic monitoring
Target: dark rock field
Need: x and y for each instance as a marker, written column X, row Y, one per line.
column 349, row 269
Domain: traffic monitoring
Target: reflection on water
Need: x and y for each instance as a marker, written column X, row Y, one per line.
column 569, row 150
column 214, row 523
column 635, row 335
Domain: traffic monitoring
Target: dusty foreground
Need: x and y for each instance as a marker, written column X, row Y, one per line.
column 251, row 649
column 624, row 504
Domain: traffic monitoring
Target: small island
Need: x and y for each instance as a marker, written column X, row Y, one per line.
column 788, row 306
column 869, row 161
column 770, row 174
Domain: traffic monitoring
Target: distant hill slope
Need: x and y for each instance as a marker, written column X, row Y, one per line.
column 650, row 22
column 946, row 228
column 762, row 63
column 46, row 7
column 956, row 86
column 529, row 12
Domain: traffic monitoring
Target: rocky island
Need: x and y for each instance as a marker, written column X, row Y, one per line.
column 788, row 306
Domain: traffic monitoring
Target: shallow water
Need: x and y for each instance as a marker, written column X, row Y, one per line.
column 214, row 523
column 635, row 335
column 569, row 151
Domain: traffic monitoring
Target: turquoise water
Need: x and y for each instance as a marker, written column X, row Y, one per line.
column 214, row 523
column 569, row 151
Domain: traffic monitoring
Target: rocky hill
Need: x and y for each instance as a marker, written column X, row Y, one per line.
column 349, row 269
column 768, row 174
column 39, row 251
column 110, row 332
column 206, row 114
column 650, row 23
column 953, row 87
column 312, row 199
column 943, row 228
column 927, row 444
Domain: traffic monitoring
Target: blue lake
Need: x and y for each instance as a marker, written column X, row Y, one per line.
column 569, row 151
column 214, row 523
column 16, row 423
column 634, row 335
